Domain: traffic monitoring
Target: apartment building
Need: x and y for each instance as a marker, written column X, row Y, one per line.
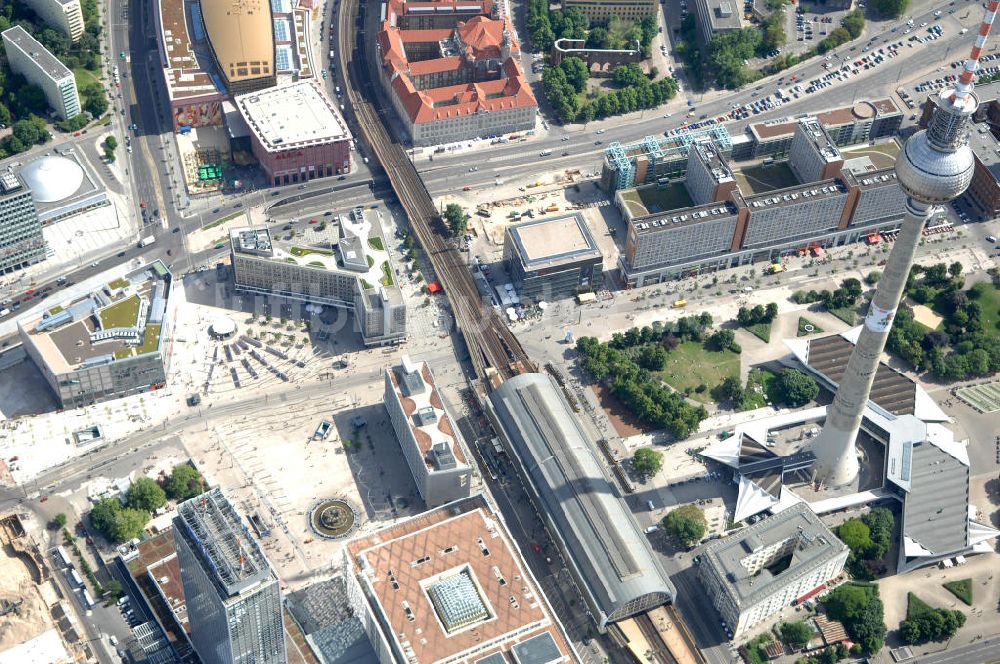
column 717, row 17
column 984, row 190
column 431, row 442
column 813, row 156
column 26, row 56
column 63, row 15
column 769, row 566
column 21, row 241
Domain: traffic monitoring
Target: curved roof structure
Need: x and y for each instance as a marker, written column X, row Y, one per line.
column 611, row 557
column 52, row 178
column 242, row 37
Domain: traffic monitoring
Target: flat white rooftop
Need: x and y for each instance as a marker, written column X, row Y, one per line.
column 292, row 116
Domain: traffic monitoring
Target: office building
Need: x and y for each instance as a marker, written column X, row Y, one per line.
column 606, row 553
column 450, row 585
column 453, row 74
column 27, row 57
column 193, row 88
column 429, row 438
column 717, row 17
column 813, row 156
column 296, row 132
column 21, row 242
column 984, row 190
column 770, row 565
column 241, row 37
column 350, row 274
column 601, row 11
column 549, row 259
column 108, row 344
column 63, row 15
column 232, row 595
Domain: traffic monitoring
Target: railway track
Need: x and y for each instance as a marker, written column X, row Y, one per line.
column 492, row 346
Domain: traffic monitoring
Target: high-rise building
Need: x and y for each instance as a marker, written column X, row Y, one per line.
column 26, row 56
column 429, row 438
column 935, row 167
column 548, row 259
column 21, row 242
column 717, row 17
column 64, row 15
column 232, row 595
column 813, row 155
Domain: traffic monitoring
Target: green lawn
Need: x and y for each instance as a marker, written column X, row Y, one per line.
column 762, row 331
column 916, row 606
column 803, row 321
column 123, row 313
column 219, row 222
column 150, row 342
column 762, row 179
column 848, row 314
column 84, row 78
column 386, row 279
column 765, row 379
column 654, row 198
column 961, row 589
column 690, row 365
column 55, row 310
column 365, row 285
column 376, row 243
column 990, row 302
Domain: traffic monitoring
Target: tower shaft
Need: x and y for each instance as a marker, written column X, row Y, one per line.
column 836, row 460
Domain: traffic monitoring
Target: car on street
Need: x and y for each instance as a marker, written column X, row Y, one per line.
column 121, row 54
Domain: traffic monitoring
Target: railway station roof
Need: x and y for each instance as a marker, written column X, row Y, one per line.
column 611, row 556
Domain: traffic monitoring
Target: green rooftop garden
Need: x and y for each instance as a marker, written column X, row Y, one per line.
column 118, row 283
column 150, row 342
column 375, row 243
column 305, row 251
column 762, row 179
column 55, row 310
column 123, row 313
column 651, row 199
column 386, row 279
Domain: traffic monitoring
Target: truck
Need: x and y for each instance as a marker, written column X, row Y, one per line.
column 146, row 241
column 74, row 577
column 545, row 153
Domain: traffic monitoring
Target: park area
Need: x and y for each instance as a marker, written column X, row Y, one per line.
column 691, row 367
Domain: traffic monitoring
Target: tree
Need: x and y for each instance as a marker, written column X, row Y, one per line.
column 796, row 387
column 647, row 461
column 873, row 277
column 889, row 8
column 96, row 104
column 795, row 634
column 652, row 357
column 597, row 38
column 854, row 23
column 456, row 218
column 721, row 340
column 102, row 515
column 856, row 535
column 185, row 482
column 686, row 524
column 770, row 312
column 145, row 494
column 629, row 75
column 128, row 524
column 859, row 607
column 880, row 522
column 730, row 388
column 59, row 521
column 576, row 73
column 110, row 143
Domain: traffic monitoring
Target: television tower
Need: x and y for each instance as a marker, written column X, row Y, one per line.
column 935, row 167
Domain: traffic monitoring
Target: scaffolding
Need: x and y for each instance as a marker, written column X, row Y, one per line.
column 620, row 159
column 224, row 541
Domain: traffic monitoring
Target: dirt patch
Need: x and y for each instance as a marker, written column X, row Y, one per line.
column 925, row 316
column 625, row 423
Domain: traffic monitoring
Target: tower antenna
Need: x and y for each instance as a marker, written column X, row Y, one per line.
column 967, row 80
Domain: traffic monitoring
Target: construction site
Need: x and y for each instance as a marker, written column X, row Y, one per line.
column 37, row 623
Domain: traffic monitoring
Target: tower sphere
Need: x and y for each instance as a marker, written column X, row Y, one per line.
column 930, row 175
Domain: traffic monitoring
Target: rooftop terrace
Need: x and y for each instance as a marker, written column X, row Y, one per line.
column 546, row 242
column 122, row 319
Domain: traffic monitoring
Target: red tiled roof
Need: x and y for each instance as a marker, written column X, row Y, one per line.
column 417, row 36
column 484, row 36
column 424, row 67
